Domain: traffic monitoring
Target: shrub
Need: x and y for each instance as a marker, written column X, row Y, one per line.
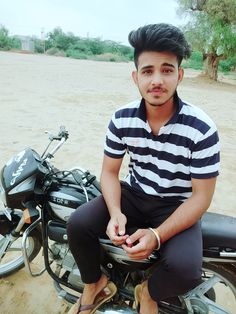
column 228, row 64
column 55, row 52
column 195, row 61
column 76, row 54
column 110, row 57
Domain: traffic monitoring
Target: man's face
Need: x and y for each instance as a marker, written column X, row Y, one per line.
column 157, row 76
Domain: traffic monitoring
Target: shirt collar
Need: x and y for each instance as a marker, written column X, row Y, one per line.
column 179, row 105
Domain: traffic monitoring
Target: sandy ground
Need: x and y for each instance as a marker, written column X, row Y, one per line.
column 39, row 93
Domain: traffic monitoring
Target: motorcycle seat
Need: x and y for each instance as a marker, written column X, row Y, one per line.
column 218, row 230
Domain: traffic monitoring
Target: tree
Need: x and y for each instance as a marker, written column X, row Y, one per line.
column 212, row 30
column 5, row 42
column 58, row 39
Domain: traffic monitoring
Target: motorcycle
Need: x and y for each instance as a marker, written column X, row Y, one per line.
column 38, row 199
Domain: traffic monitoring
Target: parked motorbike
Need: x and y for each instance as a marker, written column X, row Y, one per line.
column 38, row 200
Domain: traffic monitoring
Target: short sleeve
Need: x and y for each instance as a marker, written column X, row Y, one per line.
column 205, row 161
column 114, row 146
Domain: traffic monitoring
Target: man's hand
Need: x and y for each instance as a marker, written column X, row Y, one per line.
column 140, row 244
column 116, row 229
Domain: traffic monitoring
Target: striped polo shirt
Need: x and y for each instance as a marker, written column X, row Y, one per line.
column 186, row 147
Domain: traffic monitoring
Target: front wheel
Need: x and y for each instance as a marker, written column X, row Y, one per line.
column 12, row 259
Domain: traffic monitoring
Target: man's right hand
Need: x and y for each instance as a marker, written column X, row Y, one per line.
column 116, row 229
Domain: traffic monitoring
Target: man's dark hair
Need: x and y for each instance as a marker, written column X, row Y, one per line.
column 159, row 37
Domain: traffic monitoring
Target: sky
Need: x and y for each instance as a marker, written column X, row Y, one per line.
column 106, row 19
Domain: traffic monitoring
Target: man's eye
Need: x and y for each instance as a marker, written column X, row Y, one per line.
column 147, row 72
column 167, row 71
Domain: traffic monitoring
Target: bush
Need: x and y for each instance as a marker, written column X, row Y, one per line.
column 228, row 64
column 55, row 52
column 194, row 62
column 39, row 45
column 109, row 57
column 76, row 54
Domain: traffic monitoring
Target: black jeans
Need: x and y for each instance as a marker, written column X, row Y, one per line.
column 181, row 256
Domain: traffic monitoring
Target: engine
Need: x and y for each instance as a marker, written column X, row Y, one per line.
column 61, row 254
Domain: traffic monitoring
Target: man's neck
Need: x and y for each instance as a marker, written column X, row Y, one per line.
column 161, row 114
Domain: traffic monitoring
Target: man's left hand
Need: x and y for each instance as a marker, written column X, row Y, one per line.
column 140, row 244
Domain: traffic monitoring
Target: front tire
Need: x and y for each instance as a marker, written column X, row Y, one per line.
column 12, row 260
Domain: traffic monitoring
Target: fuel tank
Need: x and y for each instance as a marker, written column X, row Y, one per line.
column 64, row 199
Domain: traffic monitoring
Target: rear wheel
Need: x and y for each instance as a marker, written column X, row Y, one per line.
column 216, row 294
column 222, row 279
column 12, row 259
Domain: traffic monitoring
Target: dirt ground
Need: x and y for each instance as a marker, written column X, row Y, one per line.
column 39, row 93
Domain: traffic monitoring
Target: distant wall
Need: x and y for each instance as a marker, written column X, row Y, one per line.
column 26, row 43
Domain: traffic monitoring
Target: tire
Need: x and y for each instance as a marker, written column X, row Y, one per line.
column 13, row 260
column 223, row 293
column 225, row 290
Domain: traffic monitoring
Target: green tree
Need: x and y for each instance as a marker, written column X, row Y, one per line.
column 95, row 45
column 58, row 39
column 15, row 43
column 5, row 41
column 211, row 30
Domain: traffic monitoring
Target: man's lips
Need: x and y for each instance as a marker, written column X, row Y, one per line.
column 156, row 91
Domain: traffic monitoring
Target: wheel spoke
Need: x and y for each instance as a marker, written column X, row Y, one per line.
column 15, row 249
column 216, row 294
column 214, row 307
column 4, row 243
column 204, row 287
column 11, row 257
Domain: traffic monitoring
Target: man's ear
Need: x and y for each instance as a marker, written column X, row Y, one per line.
column 135, row 77
column 180, row 75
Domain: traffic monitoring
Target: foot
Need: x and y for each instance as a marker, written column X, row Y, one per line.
column 91, row 291
column 89, row 294
column 147, row 304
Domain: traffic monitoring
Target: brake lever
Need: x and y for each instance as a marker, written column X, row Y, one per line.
column 63, row 133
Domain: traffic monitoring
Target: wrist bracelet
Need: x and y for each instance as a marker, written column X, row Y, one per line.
column 157, row 237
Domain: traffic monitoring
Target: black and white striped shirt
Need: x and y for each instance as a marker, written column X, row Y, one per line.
column 163, row 165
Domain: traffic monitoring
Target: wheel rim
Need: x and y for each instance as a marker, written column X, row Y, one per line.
column 13, row 258
column 225, row 291
column 215, row 295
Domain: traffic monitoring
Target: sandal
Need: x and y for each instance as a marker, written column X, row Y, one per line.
column 106, row 294
column 137, row 296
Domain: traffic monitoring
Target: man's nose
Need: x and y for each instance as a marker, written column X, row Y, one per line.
column 157, row 78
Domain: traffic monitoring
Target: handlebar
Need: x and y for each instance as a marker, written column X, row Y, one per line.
column 63, row 133
column 61, row 137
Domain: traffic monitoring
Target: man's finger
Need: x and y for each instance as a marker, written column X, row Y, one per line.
column 133, row 238
column 119, row 239
column 138, row 248
column 121, row 228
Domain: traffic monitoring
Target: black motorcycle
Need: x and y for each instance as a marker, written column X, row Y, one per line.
column 38, row 199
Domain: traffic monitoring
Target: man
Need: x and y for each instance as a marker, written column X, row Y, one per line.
column 174, row 160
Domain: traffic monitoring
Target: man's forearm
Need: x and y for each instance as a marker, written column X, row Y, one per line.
column 189, row 212
column 186, row 215
column 111, row 191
